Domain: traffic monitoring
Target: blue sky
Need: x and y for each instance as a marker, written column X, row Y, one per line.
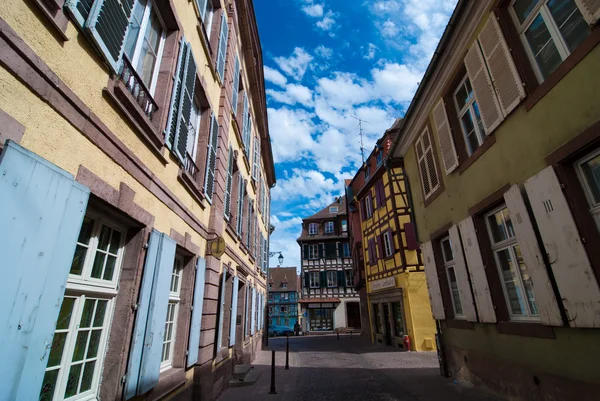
column 328, row 62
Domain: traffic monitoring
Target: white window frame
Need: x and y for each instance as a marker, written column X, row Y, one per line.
column 387, row 245
column 553, row 30
column 349, row 277
column 369, row 206
column 208, row 12
column 313, row 251
column 594, row 206
column 149, row 8
column 333, row 209
column 329, row 227
column 314, row 280
column 196, row 118
column 344, row 226
column 332, row 279
column 174, row 300
column 423, row 157
column 509, row 245
column 468, row 108
column 81, row 288
column 313, row 228
column 345, row 246
column 450, row 264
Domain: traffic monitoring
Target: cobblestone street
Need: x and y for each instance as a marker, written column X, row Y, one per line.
column 348, row 369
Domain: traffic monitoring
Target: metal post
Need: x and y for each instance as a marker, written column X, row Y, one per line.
column 287, row 353
column 273, row 391
column 338, row 335
column 351, row 334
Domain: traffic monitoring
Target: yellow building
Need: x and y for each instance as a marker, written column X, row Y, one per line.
column 396, row 290
column 136, row 166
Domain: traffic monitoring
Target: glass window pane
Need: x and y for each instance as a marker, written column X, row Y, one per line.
column 479, row 121
column 104, row 238
column 78, row 260
column 461, row 97
column 510, row 280
column 88, row 310
column 98, row 264
column 73, row 380
column 398, row 318
column 92, row 351
column 48, row 385
column 64, row 316
column 542, row 46
column 570, row 22
column 111, row 261
column 86, row 231
column 523, row 8
column 80, row 345
column 527, row 283
column 100, row 312
column 591, row 172
column 115, row 241
column 496, row 224
column 88, row 375
column 58, row 344
column 447, row 250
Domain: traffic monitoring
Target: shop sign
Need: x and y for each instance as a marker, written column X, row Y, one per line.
column 388, row 282
column 327, row 305
column 314, row 305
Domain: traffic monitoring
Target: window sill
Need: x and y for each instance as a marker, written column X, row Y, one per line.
column 221, row 355
column 537, row 330
column 57, row 17
column 231, row 231
column 117, row 91
column 489, row 141
column 434, row 195
column 570, row 62
column 207, row 49
column 168, row 381
column 190, row 184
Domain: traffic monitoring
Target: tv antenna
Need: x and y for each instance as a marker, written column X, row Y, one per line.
column 360, row 133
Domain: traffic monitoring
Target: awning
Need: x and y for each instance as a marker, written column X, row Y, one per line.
column 317, row 300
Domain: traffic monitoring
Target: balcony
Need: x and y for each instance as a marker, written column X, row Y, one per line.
column 136, row 87
column 191, row 167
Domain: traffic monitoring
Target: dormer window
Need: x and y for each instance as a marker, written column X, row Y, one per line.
column 313, row 228
column 333, row 209
column 284, row 285
column 379, row 158
column 329, row 227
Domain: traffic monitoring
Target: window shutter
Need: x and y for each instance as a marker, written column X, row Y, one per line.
column 482, row 86
column 240, row 205
column 196, row 320
column 253, row 317
column 427, row 165
column 256, row 164
column 228, row 184
column 481, row 289
column 340, row 250
column 304, row 251
column 248, row 136
column 363, row 213
column 433, row 283
column 245, row 120
column 372, row 252
column 323, row 279
column 380, row 247
column 462, row 276
column 107, row 25
column 42, row 212
column 201, row 4
column 79, row 10
column 236, row 84
column 211, row 159
column 590, row 10
column 442, row 127
column 411, row 236
column 178, row 79
column 392, row 246
column 532, row 255
column 570, row 264
column 321, row 251
column 186, row 103
column 222, row 46
column 233, row 314
column 157, row 314
column 306, row 279
column 220, row 327
column 378, row 195
column 341, row 282
column 501, row 66
column 422, row 167
column 330, row 252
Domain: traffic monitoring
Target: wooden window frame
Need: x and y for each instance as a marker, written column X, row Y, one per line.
column 331, row 224
column 332, row 283
column 469, row 107
column 433, row 194
column 451, row 264
column 314, row 280
column 310, row 228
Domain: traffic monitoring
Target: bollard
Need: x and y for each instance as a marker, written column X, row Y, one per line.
column 338, row 334
column 287, row 354
column 273, row 391
column 351, row 334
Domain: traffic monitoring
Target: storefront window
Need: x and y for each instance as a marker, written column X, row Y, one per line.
column 321, row 319
column 377, row 318
column 398, row 319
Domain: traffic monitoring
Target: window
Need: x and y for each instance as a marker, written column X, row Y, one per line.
column 448, row 258
column 144, row 42
column 427, row 165
column 314, row 279
column 284, row 309
column 517, row 285
column 79, row 343
column 349, row 278
column 344, row 226
column 377, row 315
column 398, row 319
column 550, row 30
column 387, row 244
column 270, row 295
column 313, row 228
column 284, row 296
column 333, row 209
column 588, row 170
column 367, row 171
column 328, row 227
column 206, row 10
column 469, row 115
column 346, row 250
column 172, row 310
column 379, row 158
column 369, row 206
column 332, row 278
column 313, row 251
column 284, row 285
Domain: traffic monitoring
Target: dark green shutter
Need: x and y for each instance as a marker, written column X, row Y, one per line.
column 107, row 25
column 341, row 279
column 323, row 279
column 330, row 251
column 321, row 251
column 304, row 251
column 340, row 248
column 211, row 158
column 185, row 107
column 229, row 184
column 306, row 279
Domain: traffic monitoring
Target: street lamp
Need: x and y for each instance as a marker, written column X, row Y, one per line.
column 280, row 259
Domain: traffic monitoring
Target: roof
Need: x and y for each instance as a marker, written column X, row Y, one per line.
column 311, row 300
column 325, row 213
column 278, row 275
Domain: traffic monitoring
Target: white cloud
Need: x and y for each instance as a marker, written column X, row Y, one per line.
column 371, row 52
column 296, row 64
column 293, row 94
column 291, row 132
column 313, row 10
column 327, row 23
column 323, row 51
column 274, row 76
column 386, row 6
column 389, row 29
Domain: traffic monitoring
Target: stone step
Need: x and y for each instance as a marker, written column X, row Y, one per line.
column 240, row 371
column 248, row 380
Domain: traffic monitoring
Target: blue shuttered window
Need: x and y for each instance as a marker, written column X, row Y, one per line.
column 186, row 103
column 240, row 205
column 256, row 161
column 236, row 84
column 248, row 137
column 228, row 184
column 253, row 316
column 201, row 4
column 211, row 158
column 44, row 208
column 222, row 46
column 79, row 10
column 178, row 79
column 195, row 325
column 234, row 305
column 220, row 328
column 245, row 120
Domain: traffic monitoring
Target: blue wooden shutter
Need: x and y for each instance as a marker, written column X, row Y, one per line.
column 246, row 309
column 240, row 215
column 178, row 79
column 221, row 308
column 211, row 159
column 107, row 25
column 222, row 46
column 260, row 310
column 245, row 119
column 139, row 330
column 42, row 211
column 201, row 4
column 79, row 10
column 228, row 184
column 236, row 84
column 256, row 164
column 186, row 103
column 157, row 314
column 253, row 317
column 248, row 137
column 196, row 322
column 234, row 302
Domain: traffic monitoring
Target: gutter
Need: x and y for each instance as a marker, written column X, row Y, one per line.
column 439, row 51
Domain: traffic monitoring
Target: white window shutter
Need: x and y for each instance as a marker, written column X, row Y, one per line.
column 444, row 134
column 481, row 288
column 462, row 276
column 590, row 10
column 256, row 162
column 236, row 84
column 245, row 120
column 211, row 159
column 504, row 74
column 228, row 184
column 532, row 255
column 222, row 52
column 574, row 276
column 491, row 114
column 433, row 283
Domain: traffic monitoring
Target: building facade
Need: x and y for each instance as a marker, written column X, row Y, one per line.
column 283, row 297
column 329, row 301
column 136, row 168
column 397, row 299
column 500, row 146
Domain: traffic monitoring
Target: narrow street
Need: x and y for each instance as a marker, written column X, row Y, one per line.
column 324, row 368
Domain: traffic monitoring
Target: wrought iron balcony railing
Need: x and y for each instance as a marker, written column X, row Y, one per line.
column 191, row 167
column 138, row 89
